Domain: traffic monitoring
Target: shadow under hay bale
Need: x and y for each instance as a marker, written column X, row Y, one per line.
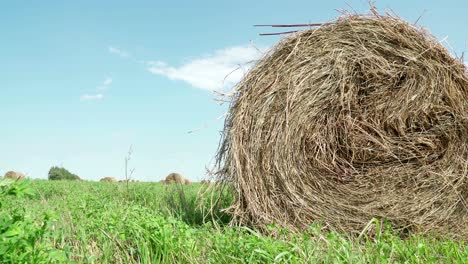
column 363, row 117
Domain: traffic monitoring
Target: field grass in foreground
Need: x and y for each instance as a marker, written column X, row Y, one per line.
column 92, row 222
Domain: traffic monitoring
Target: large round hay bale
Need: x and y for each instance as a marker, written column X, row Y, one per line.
column 175, row 178
column 14, row 175
column 363, row 117
column 108, row 179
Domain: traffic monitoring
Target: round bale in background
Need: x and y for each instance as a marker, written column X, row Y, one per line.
column 175, row 178
column 14, row 175
column 108, row 179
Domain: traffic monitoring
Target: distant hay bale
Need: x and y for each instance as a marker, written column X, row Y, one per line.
column 363, row 117
column 187, row 182
column 175, row 178
column 108, row 179
column 14, row 175
column 129, row 180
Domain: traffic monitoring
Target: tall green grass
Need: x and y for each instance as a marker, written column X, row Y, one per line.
column 92, row 222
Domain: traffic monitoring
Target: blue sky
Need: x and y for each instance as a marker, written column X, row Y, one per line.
column 81, row 81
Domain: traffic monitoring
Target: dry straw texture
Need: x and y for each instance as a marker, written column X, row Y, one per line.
column 108, row 179
column 14, row 175
column 175, row 178
column 363, row 117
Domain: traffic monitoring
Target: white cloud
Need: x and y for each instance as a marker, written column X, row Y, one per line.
column 107, row 81
column 91, row 97
column 99, row 95
column 118, row 51
column 214, row 72
column 105, row 84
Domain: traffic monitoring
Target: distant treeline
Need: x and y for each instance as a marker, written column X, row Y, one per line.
column 59, row 173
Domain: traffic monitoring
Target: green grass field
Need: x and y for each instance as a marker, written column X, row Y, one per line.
column 92, row 222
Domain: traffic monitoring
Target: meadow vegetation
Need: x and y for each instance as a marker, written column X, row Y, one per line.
column 99, row 222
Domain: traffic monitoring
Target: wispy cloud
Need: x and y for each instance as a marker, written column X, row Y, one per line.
column 107, row 81
column 214, row 72
column 105, row 84
column 117, row 51
column 91, row 97
column 99, row 95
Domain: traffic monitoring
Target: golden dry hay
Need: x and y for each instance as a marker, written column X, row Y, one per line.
column 362, row 117
column 108, row 179
column 175, row 178
column 14, row 175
